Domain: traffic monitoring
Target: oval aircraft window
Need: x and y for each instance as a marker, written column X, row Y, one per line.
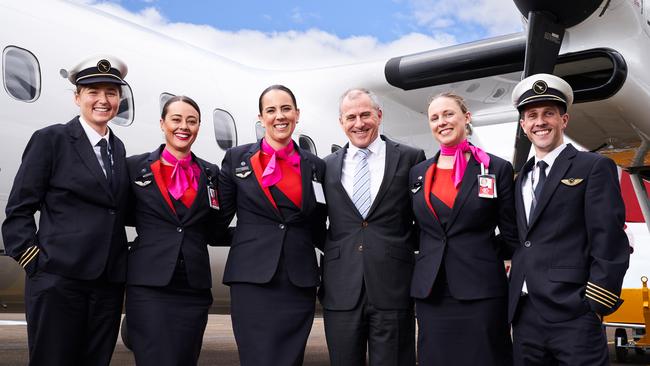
column 164, row 97
column 225, row 130
column 126, row 112
column 305, row 142
column 259, row 130
column 21, row 74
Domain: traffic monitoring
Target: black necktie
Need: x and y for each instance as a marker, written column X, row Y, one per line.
column 538, row 189
column 106, row 159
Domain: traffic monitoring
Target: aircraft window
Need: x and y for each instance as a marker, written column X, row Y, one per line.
column 259, row 130
column 126, row 112
column 21, row 74
column 164, row 97
column 225, row 130
column 307, row 143
column 335, row 148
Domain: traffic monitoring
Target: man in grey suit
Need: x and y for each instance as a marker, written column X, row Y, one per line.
column 369, row 257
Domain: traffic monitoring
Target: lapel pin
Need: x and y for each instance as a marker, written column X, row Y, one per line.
column 417, row 185
column 571, row 182
column 243, row 172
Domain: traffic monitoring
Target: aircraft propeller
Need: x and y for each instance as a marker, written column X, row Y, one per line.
column 547, row 21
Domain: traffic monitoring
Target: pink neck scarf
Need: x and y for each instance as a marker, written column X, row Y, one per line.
column 272, row 174
column 460, row 164
column 184, row 175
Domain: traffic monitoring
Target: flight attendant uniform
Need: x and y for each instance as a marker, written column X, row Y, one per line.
column 271, row 268
column 459, row 281
column 168, row 278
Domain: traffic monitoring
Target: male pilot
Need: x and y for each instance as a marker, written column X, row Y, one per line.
column 75, row 174
column 369, row 258
column 569, row 269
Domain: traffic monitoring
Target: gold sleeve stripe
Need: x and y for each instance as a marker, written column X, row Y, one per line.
column 27, row 253
column 593, row 293
column 607, row 302
column 602, row 295
column 602, row 290
column 26, row 261
column 594, row 299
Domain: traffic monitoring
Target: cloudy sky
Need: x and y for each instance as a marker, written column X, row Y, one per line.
column 290, row 34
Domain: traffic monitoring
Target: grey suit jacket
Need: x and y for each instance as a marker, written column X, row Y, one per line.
column 377, row 251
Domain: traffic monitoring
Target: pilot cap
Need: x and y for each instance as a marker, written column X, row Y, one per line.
column 98, row 69
column 541, row 88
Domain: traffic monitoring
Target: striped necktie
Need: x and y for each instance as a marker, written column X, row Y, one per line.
column 361, row 186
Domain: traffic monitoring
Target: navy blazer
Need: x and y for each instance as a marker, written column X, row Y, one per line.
column 472, row 254
column 262, row 235
column 575, row 252
column 81, row 227
column 376, row 252
column 162, row 235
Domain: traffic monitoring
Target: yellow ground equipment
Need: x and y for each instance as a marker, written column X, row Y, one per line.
column 634, row 314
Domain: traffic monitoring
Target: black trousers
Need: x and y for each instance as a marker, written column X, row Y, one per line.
column 71, row 322
column 166, row 324
column 576, row 342
column 272, row 321
column 388, row 335
column 463, row 332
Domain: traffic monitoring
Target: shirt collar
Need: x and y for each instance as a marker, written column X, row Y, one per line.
column 93, row 136
column 375, row 147
column 550, row 157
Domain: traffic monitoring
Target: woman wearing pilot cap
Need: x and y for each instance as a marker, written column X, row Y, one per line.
column 75, row 175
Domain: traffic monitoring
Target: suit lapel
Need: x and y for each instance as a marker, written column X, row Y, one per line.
column 201, row 193
column 392, row 158
column 429, row 173
column 306, row 173
column 338, row 171
column 153, row 166
column 87, row 154
column 119, row 164
column 520, row 209
column 467, row 186
column 252, row 158
column 558, row 170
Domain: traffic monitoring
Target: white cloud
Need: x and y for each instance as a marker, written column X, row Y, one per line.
column 281, row 50
column 495, row 16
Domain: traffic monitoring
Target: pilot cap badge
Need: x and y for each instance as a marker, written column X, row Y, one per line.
column 542, row 88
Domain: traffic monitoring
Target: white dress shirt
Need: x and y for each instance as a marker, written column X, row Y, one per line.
column 376, row 164
column 94, row 138
column 532, row 178
column 530, row 182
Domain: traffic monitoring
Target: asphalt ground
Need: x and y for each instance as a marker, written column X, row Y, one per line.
column 218, row 344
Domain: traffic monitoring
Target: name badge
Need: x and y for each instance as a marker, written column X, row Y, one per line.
column 213, row 199
column 318, row 192
column 487, row 184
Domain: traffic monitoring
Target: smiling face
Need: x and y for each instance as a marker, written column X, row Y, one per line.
column 448, row 121
column 360, row 119
column 279, row 116
column 544, row 124
column 98, row 104
column 181, row 126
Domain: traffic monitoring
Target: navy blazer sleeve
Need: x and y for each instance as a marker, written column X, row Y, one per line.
column 27, row 195
column 609, row 246
column 227, row 189
column 507, row 221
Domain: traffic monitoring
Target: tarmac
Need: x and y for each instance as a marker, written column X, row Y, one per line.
column 219, row 346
